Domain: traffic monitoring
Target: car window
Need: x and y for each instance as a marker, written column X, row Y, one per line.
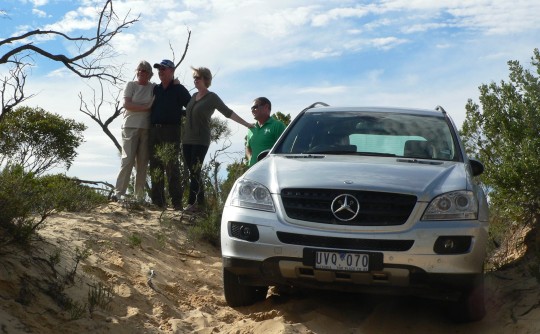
column 370, row 133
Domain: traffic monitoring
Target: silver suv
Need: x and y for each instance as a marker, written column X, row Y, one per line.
column 360, row 199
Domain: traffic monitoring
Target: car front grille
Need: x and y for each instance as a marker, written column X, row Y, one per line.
column 376, row 208
column 345, row 243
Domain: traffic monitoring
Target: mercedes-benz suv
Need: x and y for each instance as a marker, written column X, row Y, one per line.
column 360, row 199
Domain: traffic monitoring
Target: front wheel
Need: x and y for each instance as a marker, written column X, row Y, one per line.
column 237, row 294
column 471, row 305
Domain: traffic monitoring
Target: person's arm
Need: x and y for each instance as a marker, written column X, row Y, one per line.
column 183, row 98
column 249, row 152
column 240, row 120
column 228, row 112
column 131, row 106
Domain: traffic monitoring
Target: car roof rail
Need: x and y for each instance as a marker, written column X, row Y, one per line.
column 313, row 105
column 441, row 109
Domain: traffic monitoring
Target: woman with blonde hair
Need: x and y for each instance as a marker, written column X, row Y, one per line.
column 137, row 102
column 196, row 134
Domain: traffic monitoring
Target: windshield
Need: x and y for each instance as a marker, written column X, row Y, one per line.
column 370, row 133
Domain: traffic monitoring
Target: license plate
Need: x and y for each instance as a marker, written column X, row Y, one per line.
column 342, row 261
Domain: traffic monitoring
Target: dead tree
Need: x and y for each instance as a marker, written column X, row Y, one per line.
column 93, row 110
column 87, row 63
column 12, row 88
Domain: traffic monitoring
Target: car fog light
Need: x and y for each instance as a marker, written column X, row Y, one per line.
column 452, row 245
column 248, row 232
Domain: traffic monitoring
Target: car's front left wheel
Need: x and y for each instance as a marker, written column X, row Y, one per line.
column 237, row 294
column 471, row 305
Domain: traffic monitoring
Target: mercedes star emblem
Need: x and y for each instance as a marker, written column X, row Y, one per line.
column 345, row 207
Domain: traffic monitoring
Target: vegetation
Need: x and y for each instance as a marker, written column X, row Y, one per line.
column 26, row 200
column 503, row 132
column 38, row 140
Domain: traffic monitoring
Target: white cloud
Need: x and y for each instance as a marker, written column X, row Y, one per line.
column 323, row 90
column 423, row 27
column 39, row 3
column 387, row 43
column 337, row 14
column 39, row 13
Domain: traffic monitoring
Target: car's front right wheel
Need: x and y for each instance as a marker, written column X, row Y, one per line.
column 237, row 294
column 471, row 305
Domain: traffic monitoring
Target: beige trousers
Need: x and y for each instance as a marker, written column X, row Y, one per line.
column 134, row 153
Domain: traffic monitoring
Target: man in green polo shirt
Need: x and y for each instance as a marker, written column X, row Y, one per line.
column 266, row 131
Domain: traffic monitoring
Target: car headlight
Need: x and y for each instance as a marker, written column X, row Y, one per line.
column 252, row 195
column 457, row 205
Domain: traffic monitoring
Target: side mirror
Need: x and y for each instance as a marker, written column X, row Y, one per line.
column 476, row 166
column 262, row 155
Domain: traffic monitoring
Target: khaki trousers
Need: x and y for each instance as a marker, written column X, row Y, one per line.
column 134, row 153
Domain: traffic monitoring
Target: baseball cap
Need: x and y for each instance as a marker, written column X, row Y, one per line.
column 164, row 63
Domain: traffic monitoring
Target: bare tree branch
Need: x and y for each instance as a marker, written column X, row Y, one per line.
column 94, row 111
column 12, row 88
column 185, row 49
column 108, row 26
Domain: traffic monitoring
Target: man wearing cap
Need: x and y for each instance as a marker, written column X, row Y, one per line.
column 165, row 121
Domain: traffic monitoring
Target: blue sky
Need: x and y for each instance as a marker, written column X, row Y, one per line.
column 409, row 53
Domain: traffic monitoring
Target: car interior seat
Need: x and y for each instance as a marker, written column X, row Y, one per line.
column 417, row 149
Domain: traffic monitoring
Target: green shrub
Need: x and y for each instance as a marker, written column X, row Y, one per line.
column 64, row 194
column 207, row 227
column 26, row 200
column 134, row 240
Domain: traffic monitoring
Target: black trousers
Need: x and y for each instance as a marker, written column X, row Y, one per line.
column 165, row 136
column 194, row 158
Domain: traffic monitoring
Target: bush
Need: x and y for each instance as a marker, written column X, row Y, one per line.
column 207, row 228
column 27, row 200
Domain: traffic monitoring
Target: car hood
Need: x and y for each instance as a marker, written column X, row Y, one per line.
column 422, row 178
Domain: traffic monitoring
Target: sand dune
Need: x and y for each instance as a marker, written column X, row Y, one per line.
column 156, row 279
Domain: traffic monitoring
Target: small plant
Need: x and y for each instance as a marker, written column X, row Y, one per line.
column 165, row 220
column 54, row 259
column 134, row 240
column 76, row 310
column 161, row 239
column 80, row 255
column 100, row 296
column 207, row 228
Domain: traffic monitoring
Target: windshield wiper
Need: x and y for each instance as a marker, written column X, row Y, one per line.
column 338, row 152
column 304, row 156
column 419, row 161
column 376, row 154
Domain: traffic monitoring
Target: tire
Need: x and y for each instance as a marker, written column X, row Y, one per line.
column 471, row 305
column 237, row 294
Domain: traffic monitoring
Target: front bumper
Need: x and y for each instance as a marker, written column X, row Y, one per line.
column 271, row 260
